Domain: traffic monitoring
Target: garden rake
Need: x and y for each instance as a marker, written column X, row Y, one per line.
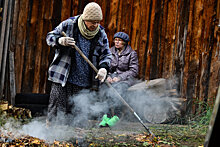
column 110, row 86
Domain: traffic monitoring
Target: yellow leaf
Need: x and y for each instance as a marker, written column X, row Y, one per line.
column 101, row 138
column 56, row 142
column 121, row 135
column 36, row 141
column 111, row 140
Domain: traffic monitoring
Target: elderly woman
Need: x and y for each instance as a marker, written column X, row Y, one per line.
column 69, row 72
column 123, row 70
column 124, row 64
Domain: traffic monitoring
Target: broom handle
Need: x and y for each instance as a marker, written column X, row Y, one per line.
column 110, row 86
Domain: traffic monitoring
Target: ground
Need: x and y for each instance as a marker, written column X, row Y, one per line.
column 123, row 134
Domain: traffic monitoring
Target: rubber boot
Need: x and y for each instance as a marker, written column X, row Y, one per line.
column 104, row 121
column 113, row 121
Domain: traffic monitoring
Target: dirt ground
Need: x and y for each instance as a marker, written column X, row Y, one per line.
column 134, row 134
column 123, row 134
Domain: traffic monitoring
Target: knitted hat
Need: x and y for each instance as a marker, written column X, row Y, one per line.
column 92, row 11
column 122, row 35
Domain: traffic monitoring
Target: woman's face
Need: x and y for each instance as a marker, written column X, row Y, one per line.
column 92, row 24
column 119, row 43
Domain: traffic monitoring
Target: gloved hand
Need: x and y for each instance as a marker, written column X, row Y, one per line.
column 101, row 75
column 66, row 41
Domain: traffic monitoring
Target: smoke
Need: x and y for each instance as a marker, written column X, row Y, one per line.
column 87, row 105
column 156, row 101
column 145, row 99
column 57, row 132
column 10, row 126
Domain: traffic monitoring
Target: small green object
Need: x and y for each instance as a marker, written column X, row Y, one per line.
column 113, row 121
column 104, row 121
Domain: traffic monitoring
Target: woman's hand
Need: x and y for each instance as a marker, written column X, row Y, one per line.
column 101, row 75
column 66, row 41
column 116, row 79
column 109, row 79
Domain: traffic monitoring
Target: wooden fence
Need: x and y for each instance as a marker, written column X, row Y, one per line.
column 173, row 38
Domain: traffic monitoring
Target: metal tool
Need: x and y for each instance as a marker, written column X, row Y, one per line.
column 110, row 86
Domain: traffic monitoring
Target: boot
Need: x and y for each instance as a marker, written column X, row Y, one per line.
column 104, row 121
column 113, row 121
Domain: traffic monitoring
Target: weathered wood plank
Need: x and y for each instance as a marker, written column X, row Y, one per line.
column 12, row 77
column 6, row 44
column 56, row 18
column 146, row 11
column 209, row 52
column 38, row 51
column 31, row 45
column 14, row 25
column 162, row 39
column 3, row 26
column 105, row 4
column 112, row 27
column 215, row 66
column 20, row 43
column 169, row 39
column 66, row 9
column 75, row 9
column 136, row 27
column 126, row 19
column 119, row 17
column 186, row 81
column 196, row 46
column 154, row 52
column 45, row 47
column 149, row 47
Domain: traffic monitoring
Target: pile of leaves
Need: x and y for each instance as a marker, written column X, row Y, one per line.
column 116, row 140
column 7, row 110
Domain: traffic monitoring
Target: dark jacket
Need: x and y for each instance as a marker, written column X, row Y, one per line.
column 125, row 65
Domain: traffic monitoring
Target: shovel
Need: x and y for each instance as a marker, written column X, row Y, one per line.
column 110, row 86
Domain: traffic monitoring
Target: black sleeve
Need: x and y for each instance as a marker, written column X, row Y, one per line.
column 104, row 65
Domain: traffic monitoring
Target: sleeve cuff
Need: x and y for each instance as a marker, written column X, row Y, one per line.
column 104, row 65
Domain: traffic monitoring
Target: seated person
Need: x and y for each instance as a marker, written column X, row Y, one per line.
column 123, row 71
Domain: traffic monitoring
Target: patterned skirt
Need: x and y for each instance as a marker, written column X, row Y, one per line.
column 59, row 99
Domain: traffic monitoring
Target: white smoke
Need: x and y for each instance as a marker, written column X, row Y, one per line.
column 89, row 105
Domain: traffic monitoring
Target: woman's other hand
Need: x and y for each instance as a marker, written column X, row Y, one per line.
column 109, row 79
column 116, row 79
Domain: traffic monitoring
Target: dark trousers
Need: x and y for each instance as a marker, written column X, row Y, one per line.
column 59, row 99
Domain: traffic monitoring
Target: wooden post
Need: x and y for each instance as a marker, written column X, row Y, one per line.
column 4, row 21
column 3, row 30
column 12, row 77
column 5, row 50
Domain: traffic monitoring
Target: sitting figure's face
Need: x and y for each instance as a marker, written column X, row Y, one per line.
column 119, row 43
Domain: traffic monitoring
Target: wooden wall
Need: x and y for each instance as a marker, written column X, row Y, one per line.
column 173, row 38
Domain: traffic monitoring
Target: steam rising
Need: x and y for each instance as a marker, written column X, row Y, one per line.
column 89, row 106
